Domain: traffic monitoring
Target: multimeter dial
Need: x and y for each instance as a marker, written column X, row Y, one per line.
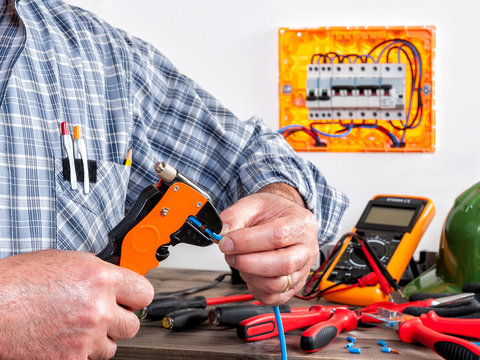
column 377, row 243
column 352, row 264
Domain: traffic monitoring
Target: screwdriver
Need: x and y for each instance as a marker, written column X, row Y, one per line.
column 160, row 307
column 323, row 333
column 232, row 315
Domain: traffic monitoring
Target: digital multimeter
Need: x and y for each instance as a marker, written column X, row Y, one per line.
column 393, row 226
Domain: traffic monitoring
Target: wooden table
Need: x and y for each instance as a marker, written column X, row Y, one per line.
column 209, row 342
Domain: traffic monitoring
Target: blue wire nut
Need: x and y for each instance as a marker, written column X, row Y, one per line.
column 351, row 339
column 349, row 345
column 382, row 343
column 355, row 350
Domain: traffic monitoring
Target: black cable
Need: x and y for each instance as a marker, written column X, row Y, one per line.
column 189, row 291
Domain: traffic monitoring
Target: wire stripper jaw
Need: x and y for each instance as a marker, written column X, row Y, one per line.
column 174, row 211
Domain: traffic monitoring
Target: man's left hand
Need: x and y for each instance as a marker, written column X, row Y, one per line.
column 271, row 238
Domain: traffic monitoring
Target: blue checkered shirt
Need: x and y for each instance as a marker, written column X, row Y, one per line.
column 65, row 64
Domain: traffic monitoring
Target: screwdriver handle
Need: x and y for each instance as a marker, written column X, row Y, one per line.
column 262, row 327
column 447, row 346
column 232, row 315
column 184, row 319
column 160, row 307
column 324, row 333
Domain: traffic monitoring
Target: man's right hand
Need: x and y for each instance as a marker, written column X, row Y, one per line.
column 67, row 305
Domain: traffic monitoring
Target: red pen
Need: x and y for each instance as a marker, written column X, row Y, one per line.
column 68, row 146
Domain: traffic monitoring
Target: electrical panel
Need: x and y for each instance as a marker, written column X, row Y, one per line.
column 357, row 89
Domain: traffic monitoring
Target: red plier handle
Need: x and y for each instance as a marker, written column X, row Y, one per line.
column 447, row 346
column 320, row 335
column 264, row 326
column 452, row 326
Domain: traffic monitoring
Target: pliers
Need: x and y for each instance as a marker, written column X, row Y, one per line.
column 325, row 322
column 399, row 308
column 432, row 331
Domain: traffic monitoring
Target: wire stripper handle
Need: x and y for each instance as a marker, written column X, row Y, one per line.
column 322, row 334
column 140, row 244
column 447, row 346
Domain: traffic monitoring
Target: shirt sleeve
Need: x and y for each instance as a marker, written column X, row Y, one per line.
column 177, row 121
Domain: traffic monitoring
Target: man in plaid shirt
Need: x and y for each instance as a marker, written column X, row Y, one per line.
column 60, row 64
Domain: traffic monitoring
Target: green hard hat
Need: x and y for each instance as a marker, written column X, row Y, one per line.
column 458, row 260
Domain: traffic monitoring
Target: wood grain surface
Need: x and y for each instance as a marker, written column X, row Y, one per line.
column 210, row 342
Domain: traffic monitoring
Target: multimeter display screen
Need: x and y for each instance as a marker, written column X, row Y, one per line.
column 389, row 216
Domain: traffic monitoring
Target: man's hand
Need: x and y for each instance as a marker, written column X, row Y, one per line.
column 67, row 305
column 268, row 236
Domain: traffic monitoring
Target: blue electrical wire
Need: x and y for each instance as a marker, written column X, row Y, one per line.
column 276, row 310
column 347, row 131
column 281, row 334
column 368, row 57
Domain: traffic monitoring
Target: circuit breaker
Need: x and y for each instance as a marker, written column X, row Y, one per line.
column 356, row 91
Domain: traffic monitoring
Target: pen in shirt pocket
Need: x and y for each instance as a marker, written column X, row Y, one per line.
column 68, row 146
column 128, row 158
column 82, row 150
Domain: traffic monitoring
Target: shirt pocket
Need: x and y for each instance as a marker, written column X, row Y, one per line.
column 83, row 221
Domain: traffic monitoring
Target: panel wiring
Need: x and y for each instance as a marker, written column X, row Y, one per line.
column 363, row 90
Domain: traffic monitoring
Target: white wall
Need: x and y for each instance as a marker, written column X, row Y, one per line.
column 230, row 48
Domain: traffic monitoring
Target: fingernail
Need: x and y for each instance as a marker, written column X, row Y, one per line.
column 226, row 245
column 230, row 259
column 225, row 229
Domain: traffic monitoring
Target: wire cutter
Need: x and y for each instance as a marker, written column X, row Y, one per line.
column 174, row 211
column 432, row 331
